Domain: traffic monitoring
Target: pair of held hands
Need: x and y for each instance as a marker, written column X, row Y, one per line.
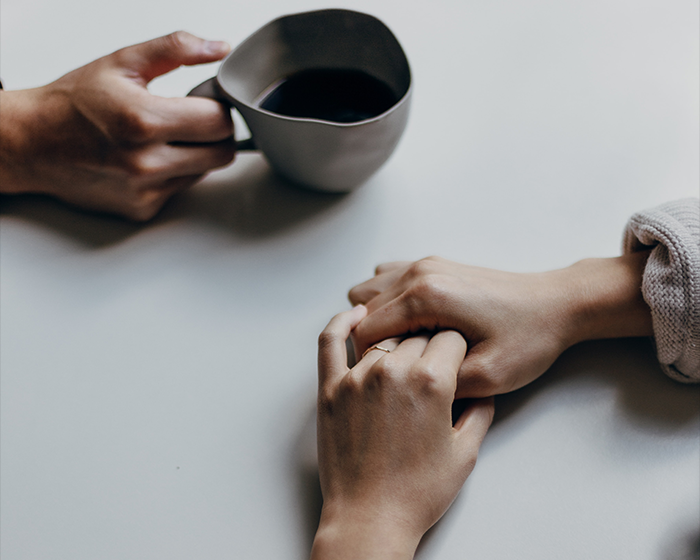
column 390, row 459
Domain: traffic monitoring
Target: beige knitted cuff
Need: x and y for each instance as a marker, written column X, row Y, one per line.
column 671, row 282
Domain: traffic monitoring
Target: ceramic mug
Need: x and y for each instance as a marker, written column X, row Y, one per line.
column 321, row 154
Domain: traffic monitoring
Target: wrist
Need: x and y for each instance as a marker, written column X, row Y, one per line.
column 604, row 298
column 17, row 117
column 36, row 133
column 358, row 535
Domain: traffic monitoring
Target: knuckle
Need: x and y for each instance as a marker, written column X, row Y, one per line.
column 421, row 268
column 327, row 338
column 427, row 379
column 325, row 401
column 178, row 39
column 144, row 207
column 141, row 165
column 428, row 288
column 427, row 285
column 352, row 384
column 384, row 371
column 137, row 126
column 470, row 463
column 482, row 376
column 440, row 288
column 428, row 265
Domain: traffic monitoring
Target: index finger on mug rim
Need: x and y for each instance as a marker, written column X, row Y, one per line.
column 332, row 349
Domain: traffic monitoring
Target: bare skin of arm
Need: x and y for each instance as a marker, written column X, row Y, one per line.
column 96, row 138
column 515, row 324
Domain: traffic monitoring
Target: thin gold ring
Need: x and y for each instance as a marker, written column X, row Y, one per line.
column 376, row 347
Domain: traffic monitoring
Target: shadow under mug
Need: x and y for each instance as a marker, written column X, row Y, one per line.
column 321, row 154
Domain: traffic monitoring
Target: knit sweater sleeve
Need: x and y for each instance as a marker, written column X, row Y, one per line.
column 671, row 282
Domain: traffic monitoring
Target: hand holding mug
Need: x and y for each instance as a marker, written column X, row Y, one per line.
column 98, row 139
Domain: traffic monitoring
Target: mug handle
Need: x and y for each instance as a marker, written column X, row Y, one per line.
column 210, row 88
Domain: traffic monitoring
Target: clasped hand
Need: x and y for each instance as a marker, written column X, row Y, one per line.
column 515, row 324
column 390, row 460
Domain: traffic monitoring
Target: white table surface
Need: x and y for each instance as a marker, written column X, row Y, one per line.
column 158, row 381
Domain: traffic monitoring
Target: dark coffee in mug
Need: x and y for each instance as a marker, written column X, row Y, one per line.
column 329, row 94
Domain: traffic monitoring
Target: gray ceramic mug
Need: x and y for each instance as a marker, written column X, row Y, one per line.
column 321, row 154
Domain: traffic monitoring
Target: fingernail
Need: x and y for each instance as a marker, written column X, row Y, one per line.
column 216, row 47
column 360, row 310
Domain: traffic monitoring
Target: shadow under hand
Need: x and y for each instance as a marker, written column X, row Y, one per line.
column 645, row 394
column 308, row 485
column 91, row 229
column 250, row 200
column 686, row 548
column 246, row 198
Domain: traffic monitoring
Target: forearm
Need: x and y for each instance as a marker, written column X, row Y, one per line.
column 12, row 141
column 604, row 298
column 31, row 137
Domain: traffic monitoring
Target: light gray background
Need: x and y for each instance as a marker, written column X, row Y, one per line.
column 158, row 381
